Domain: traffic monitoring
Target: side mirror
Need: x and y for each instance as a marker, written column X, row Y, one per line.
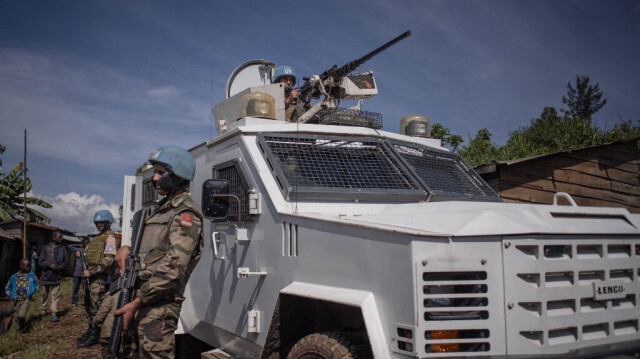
column 214, row 207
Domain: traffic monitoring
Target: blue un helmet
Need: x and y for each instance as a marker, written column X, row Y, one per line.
column 177, row 160
column 103, row 215
column 282, row 71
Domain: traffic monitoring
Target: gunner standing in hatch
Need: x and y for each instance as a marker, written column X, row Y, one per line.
column 286, row 76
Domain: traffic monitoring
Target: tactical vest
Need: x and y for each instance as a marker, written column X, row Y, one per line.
column 95, row 248
column 155, row 240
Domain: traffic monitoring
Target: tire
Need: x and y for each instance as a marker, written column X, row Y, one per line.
column 331, row 345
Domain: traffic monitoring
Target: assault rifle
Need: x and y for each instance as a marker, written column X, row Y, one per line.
column 127, row 281
column 328, row 83
column 87, row 293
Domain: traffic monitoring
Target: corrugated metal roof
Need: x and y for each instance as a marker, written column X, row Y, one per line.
column 41, row 225
column 6, row 236
column 490, row 167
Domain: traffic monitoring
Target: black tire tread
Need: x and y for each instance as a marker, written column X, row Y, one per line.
column 331, row 345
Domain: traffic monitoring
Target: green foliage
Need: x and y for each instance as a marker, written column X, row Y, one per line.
column 584, row 100
column 12, row 187
column 443, row 134
column 623, row 130
column 480, row 149
column 42, row 338
column 551, row 132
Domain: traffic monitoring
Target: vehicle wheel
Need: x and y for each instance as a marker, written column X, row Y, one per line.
column 331, row 345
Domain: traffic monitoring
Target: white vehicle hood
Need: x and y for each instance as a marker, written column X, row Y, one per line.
column 453, row 219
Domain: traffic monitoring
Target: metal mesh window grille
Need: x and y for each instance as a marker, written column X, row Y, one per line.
column 338, row 163
column 444, row 172
column 237, row 187
column 149, row 193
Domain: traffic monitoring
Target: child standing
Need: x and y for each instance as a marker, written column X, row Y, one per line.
column 20, row 289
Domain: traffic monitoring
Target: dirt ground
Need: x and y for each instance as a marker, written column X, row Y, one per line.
column 46, row 339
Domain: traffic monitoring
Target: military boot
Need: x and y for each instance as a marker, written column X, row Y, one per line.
column 85, row 335
column 93, row 339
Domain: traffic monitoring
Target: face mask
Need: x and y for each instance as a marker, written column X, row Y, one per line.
column 168, row 182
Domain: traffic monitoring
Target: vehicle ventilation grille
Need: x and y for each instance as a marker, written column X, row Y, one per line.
column 455, row 310
column 445, row 173
column 289, row 239
column 572, row 294
column 229, row 172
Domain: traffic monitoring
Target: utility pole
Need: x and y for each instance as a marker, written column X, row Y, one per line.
column 24, row 214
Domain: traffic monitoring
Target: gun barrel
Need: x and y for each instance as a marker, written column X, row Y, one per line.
column 116, row 330
column 306, row 91
column 128, row 282
column 344, row 70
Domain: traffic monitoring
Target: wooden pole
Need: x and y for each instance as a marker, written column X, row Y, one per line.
column 24, row 215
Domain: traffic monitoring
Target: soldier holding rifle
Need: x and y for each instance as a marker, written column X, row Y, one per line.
column 100, row 253
column 170, row 248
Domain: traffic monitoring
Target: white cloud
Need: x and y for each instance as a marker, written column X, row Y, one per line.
column 165, row 91
column 74, row 212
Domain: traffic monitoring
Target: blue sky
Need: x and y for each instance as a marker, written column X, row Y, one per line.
column 101, row 84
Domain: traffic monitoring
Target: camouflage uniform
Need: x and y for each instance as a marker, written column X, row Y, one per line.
column 104, row 316
column 170, row 249
column 104, row 320
column 294, row 110
column 289, row 110
column 100, row 253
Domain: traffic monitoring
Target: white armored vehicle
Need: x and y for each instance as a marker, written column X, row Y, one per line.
column 344, row 239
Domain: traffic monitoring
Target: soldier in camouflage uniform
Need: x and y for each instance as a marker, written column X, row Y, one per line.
column 104, row 320
column 169, row 250
column 100, row 254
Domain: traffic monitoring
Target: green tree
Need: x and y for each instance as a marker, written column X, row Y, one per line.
column 584, row 100
column 12, row 186
column 480, row 149
column 551, row 133
column 622, row 131
column 444, row 134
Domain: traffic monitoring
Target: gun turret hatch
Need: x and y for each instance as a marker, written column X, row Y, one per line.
column 250, row 74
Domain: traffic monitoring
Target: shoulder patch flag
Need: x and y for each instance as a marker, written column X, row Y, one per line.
column 186, row 220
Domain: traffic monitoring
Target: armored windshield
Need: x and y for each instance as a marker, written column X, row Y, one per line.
column 367, row 169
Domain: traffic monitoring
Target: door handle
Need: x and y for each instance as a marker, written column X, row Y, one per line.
column 215, row 242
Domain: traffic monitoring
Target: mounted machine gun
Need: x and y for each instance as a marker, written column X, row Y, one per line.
column 336, row 84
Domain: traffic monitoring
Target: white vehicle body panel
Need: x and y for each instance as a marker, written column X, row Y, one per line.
column 535, row 265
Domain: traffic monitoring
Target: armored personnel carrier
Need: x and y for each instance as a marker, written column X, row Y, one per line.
column 329, row 237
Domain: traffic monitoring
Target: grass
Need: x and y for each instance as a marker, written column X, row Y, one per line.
column 43, row 338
